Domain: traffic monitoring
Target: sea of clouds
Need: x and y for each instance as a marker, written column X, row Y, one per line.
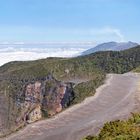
column 30, row 52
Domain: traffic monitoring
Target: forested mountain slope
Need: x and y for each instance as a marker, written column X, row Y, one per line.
column 47, row 86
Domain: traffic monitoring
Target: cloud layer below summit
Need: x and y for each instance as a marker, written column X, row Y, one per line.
column 8, row 54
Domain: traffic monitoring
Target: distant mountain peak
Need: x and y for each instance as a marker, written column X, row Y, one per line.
column 111, row 46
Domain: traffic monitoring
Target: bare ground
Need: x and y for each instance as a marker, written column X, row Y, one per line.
column 116, row 99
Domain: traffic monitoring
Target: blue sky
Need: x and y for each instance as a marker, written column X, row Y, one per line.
column 69, row 20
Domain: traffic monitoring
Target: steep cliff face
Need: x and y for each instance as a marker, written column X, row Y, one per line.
column 27, row 95
column 34, row 100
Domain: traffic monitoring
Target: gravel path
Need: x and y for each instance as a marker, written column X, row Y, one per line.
column 113, row 100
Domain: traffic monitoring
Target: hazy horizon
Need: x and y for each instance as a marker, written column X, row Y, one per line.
column 68, row 26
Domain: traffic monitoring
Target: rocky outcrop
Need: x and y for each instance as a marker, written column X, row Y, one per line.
column 41, row 98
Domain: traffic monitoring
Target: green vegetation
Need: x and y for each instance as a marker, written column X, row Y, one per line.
column 88, row 88
column 83, row 67
column 120, row 130
column 117, row 62
column 137, row 69
column 90, row 69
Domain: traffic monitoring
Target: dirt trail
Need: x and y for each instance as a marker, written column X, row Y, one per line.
column 113, row 100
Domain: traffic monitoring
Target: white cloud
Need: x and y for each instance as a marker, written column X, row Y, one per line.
column 19, row 51
column 8, row 54
column 102, row 34
column 23, row 34
column 114, row 31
